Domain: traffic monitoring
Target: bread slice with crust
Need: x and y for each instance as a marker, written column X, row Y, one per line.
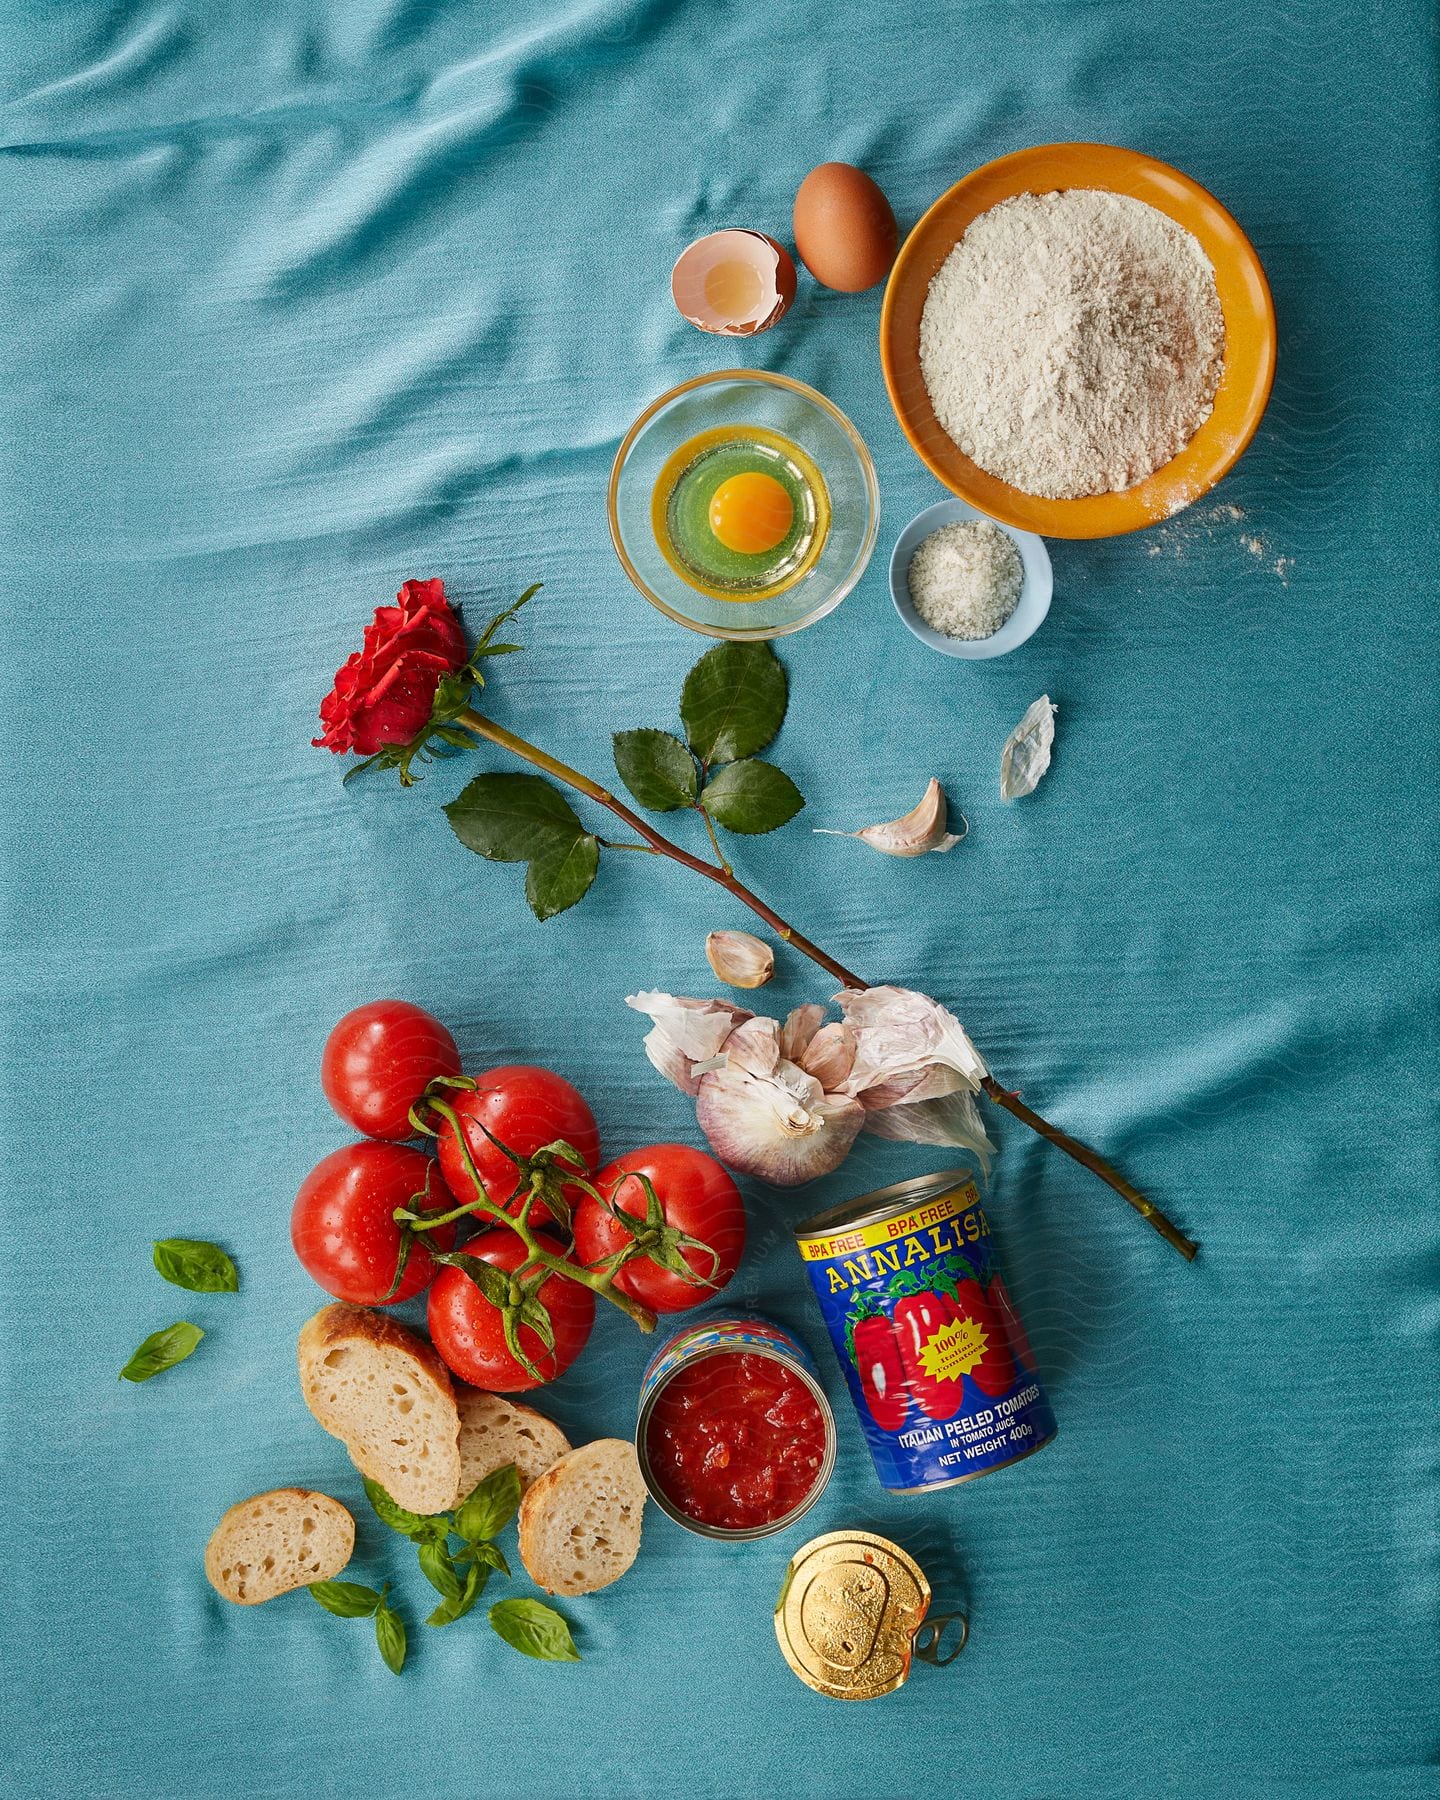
column 275, row 1542
column 387, row 1396
column 495, row 1430
column 580, row 1521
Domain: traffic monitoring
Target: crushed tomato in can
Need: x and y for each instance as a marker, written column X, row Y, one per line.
column 735, row 1436
column 937, row 1361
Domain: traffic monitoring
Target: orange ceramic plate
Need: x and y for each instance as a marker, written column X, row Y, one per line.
column 1244, row 298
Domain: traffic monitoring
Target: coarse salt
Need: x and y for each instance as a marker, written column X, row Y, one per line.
column 965, row 579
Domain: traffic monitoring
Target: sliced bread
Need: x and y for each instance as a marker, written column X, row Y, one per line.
column 495, row 1430
column 580, row 1521
column 278, row 1541
column 387, row 1396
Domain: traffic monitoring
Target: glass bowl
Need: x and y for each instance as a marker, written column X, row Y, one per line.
column 780, row 404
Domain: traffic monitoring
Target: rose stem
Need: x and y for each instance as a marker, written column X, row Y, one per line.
column 662, row 846
column 1096, row 1164
column 726, row 878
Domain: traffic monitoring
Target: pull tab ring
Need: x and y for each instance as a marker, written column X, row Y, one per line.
column 933, row 1631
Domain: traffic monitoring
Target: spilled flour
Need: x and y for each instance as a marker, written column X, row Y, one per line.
column 1176, row 539
column 1072, row 342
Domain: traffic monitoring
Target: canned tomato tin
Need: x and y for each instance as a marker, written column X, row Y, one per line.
column 939, row 1366
column 735, row 1436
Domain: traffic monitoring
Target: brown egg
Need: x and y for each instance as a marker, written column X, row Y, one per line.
column 844, row 228
column 733, row 283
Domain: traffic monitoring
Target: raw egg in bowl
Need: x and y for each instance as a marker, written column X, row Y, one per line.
column 743, row 504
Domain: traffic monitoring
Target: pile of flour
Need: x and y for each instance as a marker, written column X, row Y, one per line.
column 1072, row 342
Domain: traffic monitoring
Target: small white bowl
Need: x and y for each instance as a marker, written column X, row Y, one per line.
column 1030, row 609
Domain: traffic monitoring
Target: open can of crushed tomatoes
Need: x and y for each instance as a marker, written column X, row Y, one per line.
column 937, row 1361
column 735, row 1436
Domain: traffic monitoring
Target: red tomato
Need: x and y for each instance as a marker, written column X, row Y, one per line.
column 342, row 1225
column 469, row 1333
column 526, row 1108
column 696, row 1196
column 377, row 1062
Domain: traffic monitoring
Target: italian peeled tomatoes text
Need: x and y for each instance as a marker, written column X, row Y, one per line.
column 978, row 1435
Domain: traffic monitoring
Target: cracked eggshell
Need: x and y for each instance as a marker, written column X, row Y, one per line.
column 727, row 305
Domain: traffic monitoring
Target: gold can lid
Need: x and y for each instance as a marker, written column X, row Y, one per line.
column 849, row 1608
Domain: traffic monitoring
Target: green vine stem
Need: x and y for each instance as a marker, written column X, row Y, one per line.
column 600, row 1283
column 723, row 876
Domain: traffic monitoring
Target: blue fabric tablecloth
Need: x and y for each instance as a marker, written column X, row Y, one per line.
column 305, row 299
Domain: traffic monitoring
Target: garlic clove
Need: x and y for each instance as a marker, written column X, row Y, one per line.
column 829, row 1055
column 915, row 833
column 801, row 1024
column 739, row 959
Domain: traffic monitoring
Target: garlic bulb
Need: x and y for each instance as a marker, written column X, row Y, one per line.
column 786, row 1102
column 739, row 959
column 915, row 833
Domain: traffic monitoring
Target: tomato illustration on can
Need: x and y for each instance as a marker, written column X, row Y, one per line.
column 881, row 1369
column 938, row 1364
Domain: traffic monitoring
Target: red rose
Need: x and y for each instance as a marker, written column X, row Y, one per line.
column 385, row 693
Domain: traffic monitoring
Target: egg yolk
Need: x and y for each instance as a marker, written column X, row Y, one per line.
column 751, row 513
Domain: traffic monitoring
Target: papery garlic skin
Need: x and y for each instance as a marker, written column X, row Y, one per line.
column 739, row 959
column 915, row 1070
column 686, row 1032
column 1026, row 755
column 918, row 832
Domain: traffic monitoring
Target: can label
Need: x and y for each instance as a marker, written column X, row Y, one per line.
column 937, row 1361
column 759, row 1336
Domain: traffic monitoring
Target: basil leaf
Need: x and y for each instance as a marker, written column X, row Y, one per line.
column 733, row 701
column 751, row 797
column 491, row 1505
column 439, row 1571
column 408, row 1524
column 346, row 1599
column 490, row 1556
column 390, row 1636
column 191, row 1263
column 161, row 1351
column 534, row 1629
column 450, row 1610
column 524, row 818
column 657, row 768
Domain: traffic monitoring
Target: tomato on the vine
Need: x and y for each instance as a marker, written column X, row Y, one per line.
column 697, row 1199
column 378, row 1061
column 343, row 1228
column 525, row 1108
column 468, row 1328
